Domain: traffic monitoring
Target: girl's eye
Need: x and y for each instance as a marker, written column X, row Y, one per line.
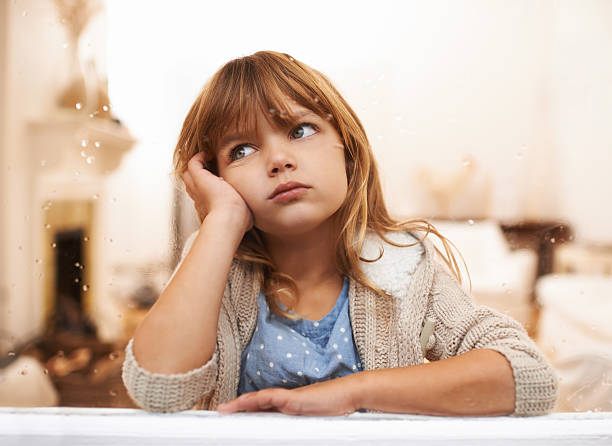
column 241, row 151
column 299, row 132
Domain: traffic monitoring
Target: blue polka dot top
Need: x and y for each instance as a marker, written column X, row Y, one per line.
column 292, row 353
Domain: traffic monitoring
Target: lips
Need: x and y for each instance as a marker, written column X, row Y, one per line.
column 284, row 188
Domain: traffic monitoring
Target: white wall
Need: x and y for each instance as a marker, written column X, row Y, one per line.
column 582, row 88
column 34, row 66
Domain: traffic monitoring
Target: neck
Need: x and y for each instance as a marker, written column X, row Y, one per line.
column 308, row 258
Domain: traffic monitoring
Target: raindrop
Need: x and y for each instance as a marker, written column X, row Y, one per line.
column 11, row 354
column 113, row 356
column 85, row 287
column 83, row 154
column 105, row 107
column 90, row 159
column 78, row 106
column 83, row 143
column 43, row 163
column 47, row 226
column 97, row 144
column 96, row 196
column 470, row 222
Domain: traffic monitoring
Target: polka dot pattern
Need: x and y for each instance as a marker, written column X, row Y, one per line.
column 293, row 353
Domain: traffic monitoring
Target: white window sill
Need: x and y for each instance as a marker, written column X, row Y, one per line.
column 72, row 426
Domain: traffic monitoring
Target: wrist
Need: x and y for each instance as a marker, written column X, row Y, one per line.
column 229, row 219
column 360, row 389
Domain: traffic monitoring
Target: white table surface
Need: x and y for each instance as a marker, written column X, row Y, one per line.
column 84, row 426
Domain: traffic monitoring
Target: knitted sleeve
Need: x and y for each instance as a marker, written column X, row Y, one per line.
column 461, row 325
column 159, row 392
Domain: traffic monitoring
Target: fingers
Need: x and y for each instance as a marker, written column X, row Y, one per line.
column 275, row 399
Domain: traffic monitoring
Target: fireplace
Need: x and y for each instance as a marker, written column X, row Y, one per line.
column 68, row 259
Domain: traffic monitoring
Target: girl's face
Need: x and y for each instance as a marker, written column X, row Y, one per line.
column 293, row 181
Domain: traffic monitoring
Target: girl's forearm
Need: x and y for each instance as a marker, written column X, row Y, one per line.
column 179, row 332
column 479, row 382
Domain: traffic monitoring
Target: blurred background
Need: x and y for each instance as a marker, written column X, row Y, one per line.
column 491, row 118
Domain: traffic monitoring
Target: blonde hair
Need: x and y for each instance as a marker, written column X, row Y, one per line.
column 264, row 81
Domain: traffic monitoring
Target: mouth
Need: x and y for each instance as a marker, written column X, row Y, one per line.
column 288, row 191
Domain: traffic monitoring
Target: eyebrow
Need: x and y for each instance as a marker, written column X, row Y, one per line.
column 235, row 137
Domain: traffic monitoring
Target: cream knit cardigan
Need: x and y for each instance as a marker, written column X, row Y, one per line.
column 429, row 316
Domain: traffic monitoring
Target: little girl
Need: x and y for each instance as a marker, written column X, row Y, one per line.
column 299, row 293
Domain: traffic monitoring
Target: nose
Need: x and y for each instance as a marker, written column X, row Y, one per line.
column 280, row 160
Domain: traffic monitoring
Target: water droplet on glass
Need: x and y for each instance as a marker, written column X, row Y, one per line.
column 47, row 226
column 112, row 356
column 77, row 264
column 84, row 143
column 470, row 222
column 78, row 106
column 43, row 163
column 97, row 144
column 85, row 287
column 83, row 154
column 86, row 239
column 54, row 245
column 90, row 159
column 96, row 196
column 11, row 354
column 105, row 107
column 91, row 115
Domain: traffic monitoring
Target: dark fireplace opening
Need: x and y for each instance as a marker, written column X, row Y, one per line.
column 69, row 309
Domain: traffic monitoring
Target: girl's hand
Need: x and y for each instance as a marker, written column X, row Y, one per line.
column 335, row 397
column 211, row 193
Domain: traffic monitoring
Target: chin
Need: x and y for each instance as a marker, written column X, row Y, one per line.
column 291, row 227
